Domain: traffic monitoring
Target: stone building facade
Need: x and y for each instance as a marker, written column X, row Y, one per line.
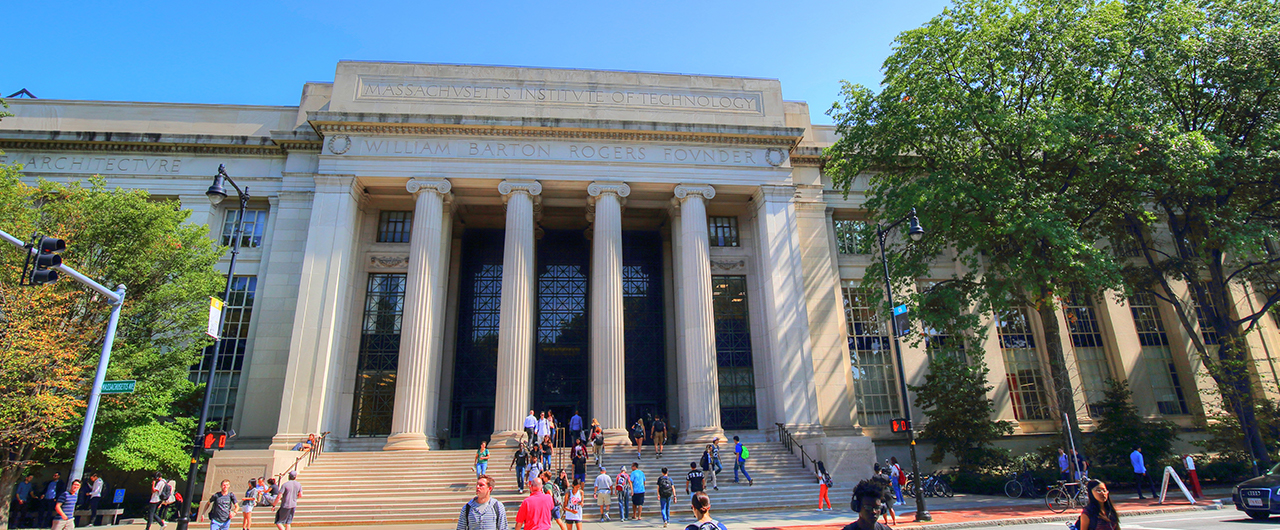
column 433, row 250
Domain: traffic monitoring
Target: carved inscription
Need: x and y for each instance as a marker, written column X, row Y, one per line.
column 93, row 164
column 563, row 151
column 459, row 91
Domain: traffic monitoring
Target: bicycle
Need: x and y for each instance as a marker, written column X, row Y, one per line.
column 1059, row 499
column 1019, row 484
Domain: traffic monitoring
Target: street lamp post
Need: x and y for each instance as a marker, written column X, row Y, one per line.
column 216, row 194
column 915, row 232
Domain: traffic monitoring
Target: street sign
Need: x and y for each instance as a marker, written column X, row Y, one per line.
column 119, row 496
column 902, row 319
column 215, row 318
column 119, row 387
column 900, row 425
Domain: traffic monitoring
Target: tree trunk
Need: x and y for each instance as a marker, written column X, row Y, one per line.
column 1062, row 391
column 1237, row 391
column 8, row 479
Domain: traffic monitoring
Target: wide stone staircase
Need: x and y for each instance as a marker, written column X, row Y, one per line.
column 419, row 486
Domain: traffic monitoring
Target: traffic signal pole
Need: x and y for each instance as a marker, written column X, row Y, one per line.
column 116, row 299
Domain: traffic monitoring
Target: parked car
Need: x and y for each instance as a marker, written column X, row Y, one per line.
column 1260, row 496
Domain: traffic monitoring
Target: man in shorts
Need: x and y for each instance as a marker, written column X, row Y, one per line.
column 659, row 434
column 637, row 490
column 287, row 502
column 604, row 487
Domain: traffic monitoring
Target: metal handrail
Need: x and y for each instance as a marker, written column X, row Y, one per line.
column 310, row 456
column 791, row 444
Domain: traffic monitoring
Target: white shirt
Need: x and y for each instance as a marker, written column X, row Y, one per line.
column 97, row 487
column 530, row 421
column 543, row 428
column 1191, row 464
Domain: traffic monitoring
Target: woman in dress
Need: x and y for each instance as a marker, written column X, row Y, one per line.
column 573, row 506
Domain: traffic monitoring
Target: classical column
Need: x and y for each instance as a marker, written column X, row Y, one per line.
column 516, row 314
column 414, row 380
column 703, row 391
column 608, row 401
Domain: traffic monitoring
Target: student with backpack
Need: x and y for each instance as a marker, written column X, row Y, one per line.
column 666, row 495
column 897, row 478
column 167, row 501
column 707, row 462
column 158, row 495
column 740, row 462
column 824, row 485
column 483, row 512
column 701, row 504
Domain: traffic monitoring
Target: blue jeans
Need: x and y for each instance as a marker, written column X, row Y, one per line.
column 481, row 468
column 520, row 477
column 225, row 525
column 624, row 505
column 716, row 462
column 665, row 503
column 897, row 490
column 739, row 463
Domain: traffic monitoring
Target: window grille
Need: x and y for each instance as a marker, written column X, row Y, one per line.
column 235, row 338
column 854, row 237
column 733, row 352
column 723, row 231
column 252, row 227
column 375, row 391
column 1027, row 387
column 1156, row 355
column 1091, row 353
column 875, row 381
column 394, row 227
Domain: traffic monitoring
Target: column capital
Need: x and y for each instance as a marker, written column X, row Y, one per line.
column 685, row 191
column 418, row 185
column 531, row 187
column 596, row 189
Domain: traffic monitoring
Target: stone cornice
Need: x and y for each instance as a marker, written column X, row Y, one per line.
column 327, row 123
column 685, row 191
column 139, row 143
column 808, row 157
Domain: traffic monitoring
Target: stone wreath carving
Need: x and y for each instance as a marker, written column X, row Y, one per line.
column 775, row 157
column 339, row 144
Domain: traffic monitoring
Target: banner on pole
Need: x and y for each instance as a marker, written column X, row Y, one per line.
column 215, row 318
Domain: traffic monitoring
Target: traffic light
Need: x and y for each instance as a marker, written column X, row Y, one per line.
column 47, row 249
column 901, row 425
column 214, row 440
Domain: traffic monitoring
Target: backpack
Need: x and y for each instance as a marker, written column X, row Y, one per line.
column 706, row 461
column 902, row 477
column 745, row 453
column 665, row 488
column 709, row 525
column 166, row 491
column 599, row 439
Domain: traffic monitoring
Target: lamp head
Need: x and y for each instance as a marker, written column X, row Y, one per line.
column 216, row 192
column 914, row 230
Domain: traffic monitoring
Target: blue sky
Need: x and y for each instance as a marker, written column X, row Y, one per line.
column 260, row 53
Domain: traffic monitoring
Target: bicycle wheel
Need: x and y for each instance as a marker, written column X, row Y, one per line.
column 1013, row 489
column 909, row 489
column 1057, row 500
column 944, row 489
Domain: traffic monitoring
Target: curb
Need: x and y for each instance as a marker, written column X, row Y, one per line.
column 1062, row 518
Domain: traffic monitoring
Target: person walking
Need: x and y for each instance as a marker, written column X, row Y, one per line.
column 637, row 432
column 287, row 501
column 622, row 488
column 637, row 490
column 701, row 505
column 544, row 428
column 1099, row 513
column 64, row 517
column 579, row 457
column 597, row 443
column 166, row 501
column 896, row 479
column 94, row 497
column 715, row 454
column 1191, row 473
column 575, row 428
column 666, row 495
column 573, row 506
column 868, row 500
column 659, row 434
column 551, row 425
column 483, row 512
column 1140, row 472
column 22, row 500
column 252, row 497
column 221, row 507
column 482, row 459
column 548, row 449
column 531, row 428
column 534, row 469
column 1082, row 466
column 693, row 481
column 707, row 468
column 49, row 499
column 740, row 461
column 604, row 493
column 552, row 487
column 158, row 485
column 535, row 510
column 824, row 485
column 1064, row 466
column 519, row 460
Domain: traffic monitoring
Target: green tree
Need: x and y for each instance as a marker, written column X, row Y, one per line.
column 116, row 237
column 1119, row 428
column 954, row 398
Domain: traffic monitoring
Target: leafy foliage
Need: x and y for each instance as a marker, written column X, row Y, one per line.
column 1226, row 440
column 1119, row 428
column 954, row 397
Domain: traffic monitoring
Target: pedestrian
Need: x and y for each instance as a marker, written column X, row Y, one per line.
column 158, row 485
column 886, row 502
column 740, row 461
column 49, row 499
column 22, row 500
column 535, row 510
column 65, row 507
column 1064, row 465
column 637, row 489
column 701, row 505
column 544, row 428
column 166, row 501
column 1082, row 467
column 666, row 495
column 715, row 455
column 824, row 485
column 221, row 507
column 694, row 480
column 252, row 497
column 1099, row 513
column 548, row 449
column 287, row 501
column 531, row 427
column 551, row 425
column 552, row 487
column 604, row 493
column 659, row 434
column 597, row 443
column 1140, row 472
column 533, row 470
column 622, row 488
column 94, row 497
column 637, row 433
column 1191, row 472
column 707, row 470
column 575, row 427
column 483, row 512
column 519, row 460
column 579, row 457
column 482, row 459
column 868, row 501
column 897, row 478
column 573, row 506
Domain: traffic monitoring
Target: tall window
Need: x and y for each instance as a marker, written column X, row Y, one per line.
column 252, row 226
column 941, row 344
column 723, row 231
column 853, row 237
column 1204, row 318
column 394, row 227
column 375, row 392
column 1091, row 354
column 733, row 352
column 235, row 337
column 1156, row 355
column 875, row 384
column 1027, row 387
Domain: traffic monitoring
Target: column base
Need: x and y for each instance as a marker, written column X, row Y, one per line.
column 701, row 435
column 506, row 438
column 617, row 437
column 407, row 441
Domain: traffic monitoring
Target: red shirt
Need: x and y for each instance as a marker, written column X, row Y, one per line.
column 535, row 511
